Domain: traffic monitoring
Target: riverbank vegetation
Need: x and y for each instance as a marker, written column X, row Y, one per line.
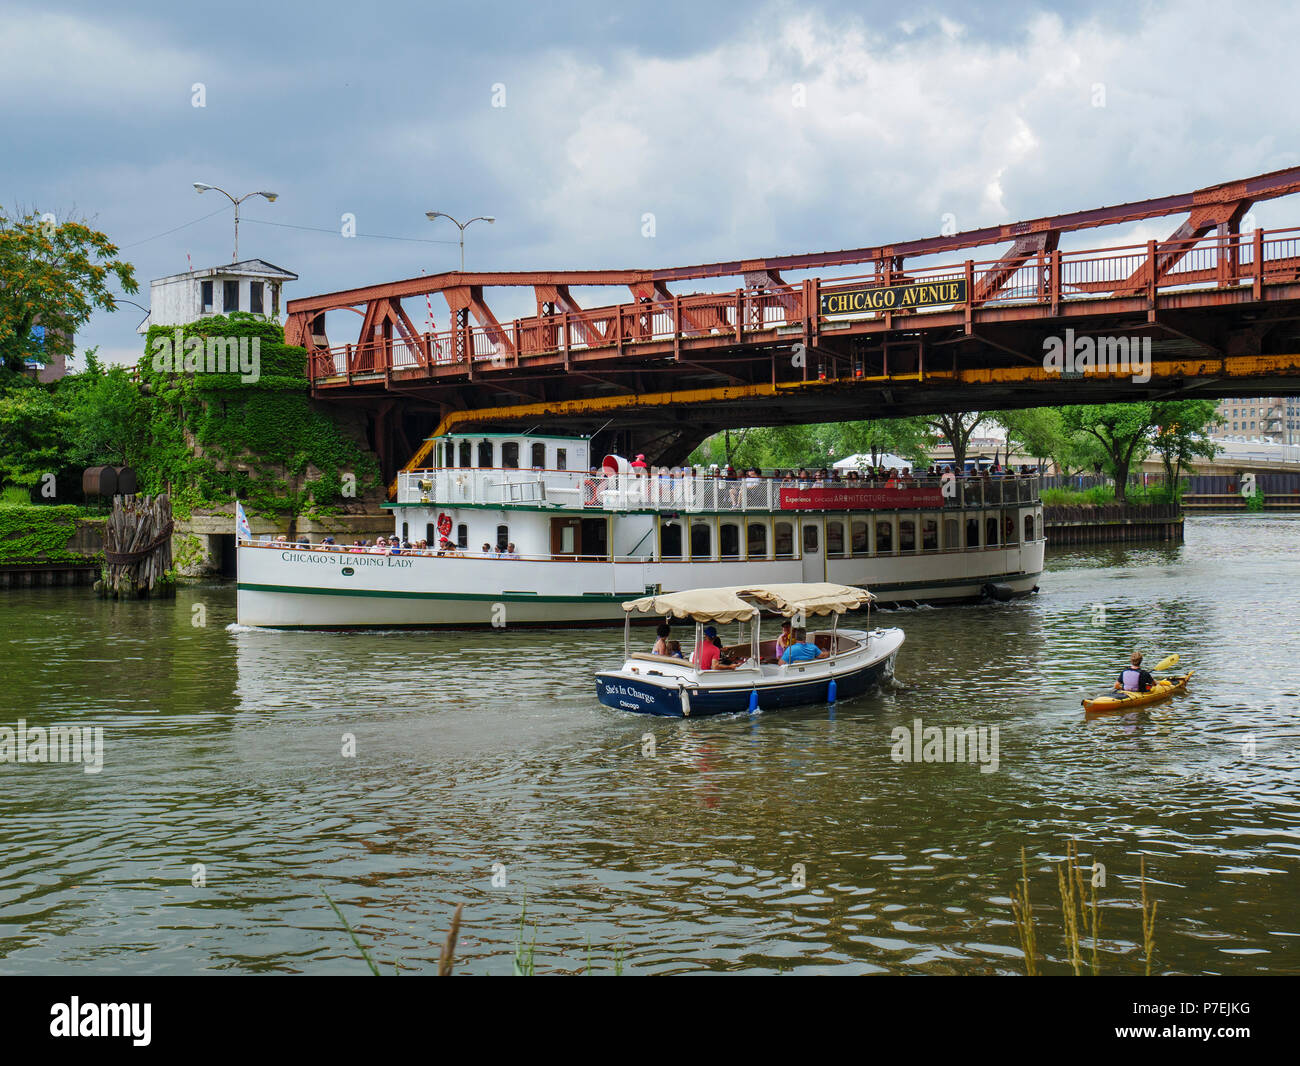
column 1099, row 439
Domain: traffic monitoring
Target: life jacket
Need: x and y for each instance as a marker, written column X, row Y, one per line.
column 1131, row 679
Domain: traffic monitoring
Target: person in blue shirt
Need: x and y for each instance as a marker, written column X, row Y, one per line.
column 801, row 650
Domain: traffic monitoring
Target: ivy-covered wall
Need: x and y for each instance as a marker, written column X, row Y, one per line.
column 215, row 438
column 33, row 534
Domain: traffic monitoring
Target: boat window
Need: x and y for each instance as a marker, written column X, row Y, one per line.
column 462, row 536
column 834, row 538
column 907, row 535
column 510, row 454
column 929, row 534
column 431, row 534
column 1038, row 526
column 670, row 540
column 466, row 453
column 884, row 538
column 991, row 532
column 972, row 532
column 1029, row 527
column 485, row 453
column 860, row 545
column 561, row 459
column 539, row 455
column 809, row 537
column 701, row 541
column 729, row 541
column 756, row 540
column 503, row 537
column 1009, row 529
column 406, row 531
column 950, row 533
column 783, row 540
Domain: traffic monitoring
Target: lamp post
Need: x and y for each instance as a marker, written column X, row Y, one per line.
column 202, row 187
column 433, row 215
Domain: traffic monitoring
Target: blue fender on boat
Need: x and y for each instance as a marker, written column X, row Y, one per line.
column 830, row 692
column 753, row 701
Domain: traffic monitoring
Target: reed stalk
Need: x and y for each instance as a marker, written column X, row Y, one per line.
column 1023, row 911
column 1148, row 917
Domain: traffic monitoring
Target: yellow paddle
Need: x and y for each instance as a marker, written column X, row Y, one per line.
column 1167, row 663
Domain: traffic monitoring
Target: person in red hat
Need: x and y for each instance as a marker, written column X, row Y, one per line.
column 639, row 466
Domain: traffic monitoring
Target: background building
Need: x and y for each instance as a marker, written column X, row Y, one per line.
column 251, row 285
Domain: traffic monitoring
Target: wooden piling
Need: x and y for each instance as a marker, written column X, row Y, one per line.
column 138, row 549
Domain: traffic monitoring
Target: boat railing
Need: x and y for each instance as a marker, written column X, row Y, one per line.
column 671, row 492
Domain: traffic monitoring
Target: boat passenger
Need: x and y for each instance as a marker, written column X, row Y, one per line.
column 510, row 551
column 486, row 551
column 675, row 649
column 639, row 467
column 802, row 650
column 662, row 631
column 785, row 638
column 1135, row 679
column 708, row 655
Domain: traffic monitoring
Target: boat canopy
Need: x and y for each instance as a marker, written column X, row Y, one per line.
column 736, row 602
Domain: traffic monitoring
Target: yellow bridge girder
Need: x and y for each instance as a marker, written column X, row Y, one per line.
column 1235, row 366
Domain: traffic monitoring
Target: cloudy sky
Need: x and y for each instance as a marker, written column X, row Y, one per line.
column 745, row 130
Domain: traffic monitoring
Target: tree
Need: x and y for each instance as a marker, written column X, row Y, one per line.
column 1123, row 430
column 35, row 433
column 53, row 275
column 910, row 438
column 1181, row 435
column 956, row 428
column 109, row 415
column 1036, row 431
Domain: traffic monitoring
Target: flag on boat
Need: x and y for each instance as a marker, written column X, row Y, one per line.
column 242, row 529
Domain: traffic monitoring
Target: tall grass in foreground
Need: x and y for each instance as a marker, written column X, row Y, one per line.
column 1080, row 914
column 525, row 947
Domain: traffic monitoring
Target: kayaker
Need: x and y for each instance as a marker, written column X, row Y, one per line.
column 1135, row 679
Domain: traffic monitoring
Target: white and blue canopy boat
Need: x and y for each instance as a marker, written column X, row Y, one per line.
column 853, row 660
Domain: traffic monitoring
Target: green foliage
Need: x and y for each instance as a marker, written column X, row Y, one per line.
column 35, row 534
column 1099, row 495
column 815, row 445
column 1255, row 503
column 34, row 433
column 54, row 275
column 1122, row 430
column 956, row 428
column 1180, row 436
column 260, row 441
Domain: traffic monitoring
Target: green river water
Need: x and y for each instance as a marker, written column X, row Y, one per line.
column 486, row 774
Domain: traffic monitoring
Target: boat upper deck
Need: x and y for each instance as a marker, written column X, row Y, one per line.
column 684, row 491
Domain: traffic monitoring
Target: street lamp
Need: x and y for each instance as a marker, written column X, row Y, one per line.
column 432, row 215
column 202, row 187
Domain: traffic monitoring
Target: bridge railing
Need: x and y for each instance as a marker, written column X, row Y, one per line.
column 579, row 490
column 1254, row 258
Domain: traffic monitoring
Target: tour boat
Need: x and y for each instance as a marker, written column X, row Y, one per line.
column 591, row 531
column 854, row 661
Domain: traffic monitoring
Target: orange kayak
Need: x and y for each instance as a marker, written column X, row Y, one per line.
column 1128, row 701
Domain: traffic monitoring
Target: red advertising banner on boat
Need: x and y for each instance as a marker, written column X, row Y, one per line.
column 844, row 499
